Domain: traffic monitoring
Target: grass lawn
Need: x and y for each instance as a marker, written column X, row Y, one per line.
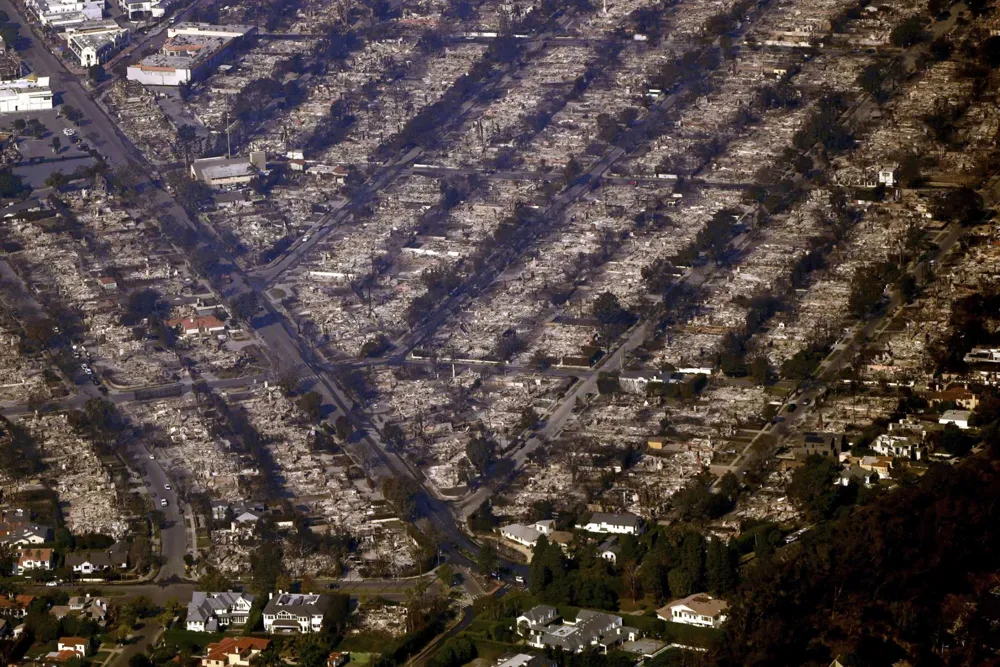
column 195, row 642
column 360, row 658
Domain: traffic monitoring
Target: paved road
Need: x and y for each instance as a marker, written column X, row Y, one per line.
column 122, row 396
column 174, row 536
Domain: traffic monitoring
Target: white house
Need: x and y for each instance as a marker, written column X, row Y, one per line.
column 589, row 629
column 618, row 524
column 609, row 550
column 204, row 325
column 898, row 446
column 699, row 609
column 959, row 418
column 77, row 645
column 527, row 534
column 34, row 559
column 289, row 613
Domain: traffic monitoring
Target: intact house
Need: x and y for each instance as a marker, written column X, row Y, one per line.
column 618, row 524
column 33, row 559
column 205, row 325
column 288, row 613
column 527, row 534
column 959, row 418
column 208, row 612
column 15, row 606
column 898, row 446
column 543, row 628
column 89, row 607
column 524, row 660
column 218, row 172
column 86, row 563
column 246, row 516
column 24, row 535
column 233, row 651
column 609, row 550
column 338, row 659
column 78, row 645
column 700, row 609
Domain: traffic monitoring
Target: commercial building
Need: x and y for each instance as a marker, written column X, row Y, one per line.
column 61, row 13
column 222, row 171
column 31, row 93
column 289, row 613
column 138, row 10
column 191, row 52
column 97, row 47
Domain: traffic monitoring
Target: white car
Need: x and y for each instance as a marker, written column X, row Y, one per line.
column 163, row 502
column 166, row 486
column 69, row 131
column 151, row 457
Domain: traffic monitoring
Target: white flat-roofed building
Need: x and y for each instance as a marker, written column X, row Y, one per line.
column 221, row 171
column 28, row 94
column 191, row 52
column 60, row 13
column 137, row 10
column 99, row 47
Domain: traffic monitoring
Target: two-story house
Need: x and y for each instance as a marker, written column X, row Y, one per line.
column 34, row 559
column 287, row 613
column 208, row 612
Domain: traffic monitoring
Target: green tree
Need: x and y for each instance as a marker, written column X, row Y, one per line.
column 681, row 582
column 446, row 573
column 71, row 113
column 867, row 288
column 311, row 404
column 266, row 566
column 693, row 558
column 487, row 559
column 343, row 427
column 963, row 205
column 909, row 32
column 394, row 436
column 480, row 449
column 760, row 370
column 720, row 570
column 401, row 494
column 246, row 305
column 812, row 487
